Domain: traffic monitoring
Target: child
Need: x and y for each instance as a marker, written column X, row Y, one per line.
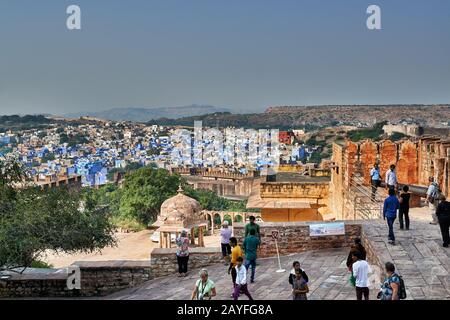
column 296, row 266
column 404, row 207
column 241, row 280
column 299, row 287
column 236, row 252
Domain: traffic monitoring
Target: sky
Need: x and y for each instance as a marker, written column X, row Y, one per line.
column 246, row 55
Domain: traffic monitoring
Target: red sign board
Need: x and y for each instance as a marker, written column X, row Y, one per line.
column 275, row 234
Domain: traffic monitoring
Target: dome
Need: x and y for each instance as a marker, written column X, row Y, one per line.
column 180, row 210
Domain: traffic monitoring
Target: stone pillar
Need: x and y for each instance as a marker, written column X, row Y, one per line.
column 201, row 242
column 192, row 236
column 212, row 225
column 161, row 238
column 169, row 240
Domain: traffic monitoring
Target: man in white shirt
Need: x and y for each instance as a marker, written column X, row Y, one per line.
column 391, row 178
column 241, row 280
column 360, row 269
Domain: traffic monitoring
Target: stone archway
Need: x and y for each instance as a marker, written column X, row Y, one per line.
column 229, row 218
column 238, row 218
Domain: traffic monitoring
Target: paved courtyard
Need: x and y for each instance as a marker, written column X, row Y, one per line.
column 325, row 268
column 418, row 256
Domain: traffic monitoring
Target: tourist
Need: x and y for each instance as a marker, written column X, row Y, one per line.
column 204, row 289
column 182, row 253
column 391, row 178
column 250, row 246
column 225, row 234
column 299, row 286
column 357, row 246
column 443, row 215
column 236, row 252
column 296, row 267
column 390, row 207
column 360, row 270
column 432, row 199
column 375, row 179
column 391, row 285
column 404, row 207
column 241, row 280
column 252, row 225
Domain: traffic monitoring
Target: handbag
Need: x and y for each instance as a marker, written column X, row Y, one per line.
column 352, row 280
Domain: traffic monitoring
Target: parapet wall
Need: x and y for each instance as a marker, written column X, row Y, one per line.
column 415, row 160
column 101, row 278
column 164, row 262
column 294, row 237
column 294, row 190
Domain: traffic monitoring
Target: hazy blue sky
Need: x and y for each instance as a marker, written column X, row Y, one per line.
column 246, row 54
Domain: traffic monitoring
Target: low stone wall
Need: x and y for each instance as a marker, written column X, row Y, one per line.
column 294, row 237
column 51, row 283
column 164, row 262
column 101, row 278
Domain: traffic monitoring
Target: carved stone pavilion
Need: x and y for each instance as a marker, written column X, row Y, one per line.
column 177, row 214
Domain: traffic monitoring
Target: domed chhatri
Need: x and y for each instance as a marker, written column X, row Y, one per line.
column 180, row 210
column 177, row 214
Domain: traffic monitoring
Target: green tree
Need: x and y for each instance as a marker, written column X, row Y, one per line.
column 145, row 190
column 33, row 221
column 208, row 199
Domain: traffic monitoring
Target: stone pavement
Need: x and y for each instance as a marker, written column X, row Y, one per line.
column 325, row 268
column 418, row 255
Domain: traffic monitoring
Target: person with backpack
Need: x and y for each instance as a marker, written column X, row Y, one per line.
column 390, row 207
column 443, row 215
column 375, row 179
column 393, row 287
column 432, row 199
column 404, row 207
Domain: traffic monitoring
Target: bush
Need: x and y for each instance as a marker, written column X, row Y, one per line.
column 127, row 223
column 41, row 265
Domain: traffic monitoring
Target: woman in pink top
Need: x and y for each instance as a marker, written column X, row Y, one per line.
column 182, row 253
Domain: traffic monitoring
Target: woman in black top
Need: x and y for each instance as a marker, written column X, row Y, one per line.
column 404, row 207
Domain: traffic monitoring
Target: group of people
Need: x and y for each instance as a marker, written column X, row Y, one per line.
column 399, row 201
column 392, row 287
column 240, row 260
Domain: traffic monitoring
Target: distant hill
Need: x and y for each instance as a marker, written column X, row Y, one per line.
column 311, row 117
column 16, row 122
column 147, row 114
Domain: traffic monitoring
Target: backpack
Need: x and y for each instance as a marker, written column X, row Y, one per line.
column 436, row 193
column 401, row 289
